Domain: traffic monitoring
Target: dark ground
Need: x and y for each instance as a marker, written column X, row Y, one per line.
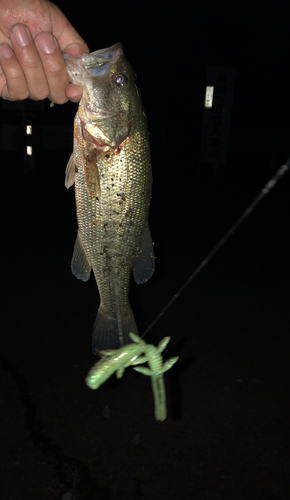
column 227, row 431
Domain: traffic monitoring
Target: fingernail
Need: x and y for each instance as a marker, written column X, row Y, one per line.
column 75, row 98
column 6, row 51
column 46, row 43
column 20, row 35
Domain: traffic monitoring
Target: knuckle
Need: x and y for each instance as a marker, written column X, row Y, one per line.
column 40, row 94
column 32, row 64
column 56, row 70
column 62, row 100
column 17, row 89
column 15, row 75
column 12, row 95
column 44, row 93
column 21, row 96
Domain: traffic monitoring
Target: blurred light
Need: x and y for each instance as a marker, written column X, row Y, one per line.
column 29, row 129
column 29, row 150
column 208, row 97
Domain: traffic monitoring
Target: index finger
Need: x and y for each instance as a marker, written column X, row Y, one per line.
column 70, row 42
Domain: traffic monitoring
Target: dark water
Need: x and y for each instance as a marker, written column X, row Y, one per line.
column 227, row 431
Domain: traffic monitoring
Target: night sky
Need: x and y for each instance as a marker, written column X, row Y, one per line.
column 228, row 398
column 170, row 46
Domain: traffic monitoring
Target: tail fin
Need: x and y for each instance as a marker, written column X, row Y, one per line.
column 112, row 332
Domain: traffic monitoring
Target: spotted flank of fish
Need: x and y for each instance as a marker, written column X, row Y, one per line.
column 111, row 169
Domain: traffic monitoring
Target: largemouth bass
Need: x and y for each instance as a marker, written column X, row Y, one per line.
column 111, row 169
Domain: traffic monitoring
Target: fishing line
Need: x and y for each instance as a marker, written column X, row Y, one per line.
column 266, row 189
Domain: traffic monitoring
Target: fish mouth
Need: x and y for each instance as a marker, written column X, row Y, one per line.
column 82, row 66
column 98, row 63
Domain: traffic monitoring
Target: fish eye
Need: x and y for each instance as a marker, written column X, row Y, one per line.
column 120, row 80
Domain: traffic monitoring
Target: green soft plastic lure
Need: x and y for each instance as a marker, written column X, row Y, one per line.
column 116, row 360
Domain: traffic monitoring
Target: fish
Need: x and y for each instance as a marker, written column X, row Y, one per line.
column 110, row 168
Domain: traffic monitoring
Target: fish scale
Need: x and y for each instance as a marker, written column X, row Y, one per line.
column 112, row 191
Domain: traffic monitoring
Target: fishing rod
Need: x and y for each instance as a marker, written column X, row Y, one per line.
column 264, row 191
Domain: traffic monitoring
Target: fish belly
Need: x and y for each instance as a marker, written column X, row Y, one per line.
column 113, row 235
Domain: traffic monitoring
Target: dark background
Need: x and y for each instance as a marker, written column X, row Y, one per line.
column 227, row 431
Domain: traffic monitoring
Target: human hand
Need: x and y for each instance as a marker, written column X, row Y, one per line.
column 33, row 36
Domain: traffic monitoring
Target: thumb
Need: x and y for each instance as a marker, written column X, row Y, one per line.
column 69, row 40
column 73, row 92
column 76, row 48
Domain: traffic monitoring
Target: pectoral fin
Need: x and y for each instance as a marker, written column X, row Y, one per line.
column 144, row 265
column 80, row 265
column 92, row 174
column 70, row 172
column 99, row 134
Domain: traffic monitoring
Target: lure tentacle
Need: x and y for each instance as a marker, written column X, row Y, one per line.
column 143, row 369
column 116, row 360
column 169, row 363
column 162, row 344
